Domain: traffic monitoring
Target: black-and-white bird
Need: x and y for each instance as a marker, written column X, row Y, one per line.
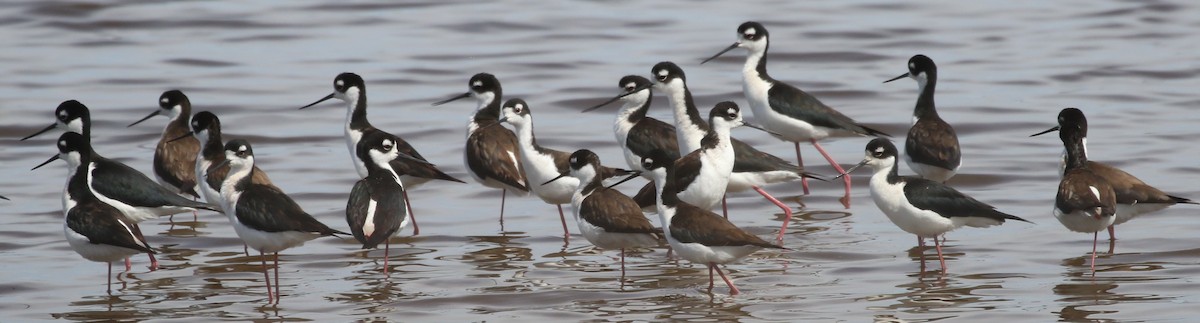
column 262, row 215
column 606, row 217
column 376, row 208
column 637, row 133
column 210, row 166
column 697, row 234
column 931, row 149
column 94, row 229
column 542, row 164
column 175, row 160
column 351, row 89
column 492, row 155
column 118, row 185
column 1133, row 196
column 794, row 115
column 751, row 169
column 920, row 206
column 1086, row 201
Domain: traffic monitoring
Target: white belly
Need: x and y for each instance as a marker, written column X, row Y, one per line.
column 1079, row 221
column 95, row 252
column 702, row 254
column 211, row 195
column 788, row 128
column 933, row 173
column 539, row 169
column 1126, row 212
column 890, row 199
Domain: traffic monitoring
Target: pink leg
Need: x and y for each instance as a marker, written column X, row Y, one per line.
column 266, row 276
column 386, row 246
column 845, row 199
column 1095, row 237
column 1112, row 233
column 278, row 297
column 733, row 290
column 566, row 234
column 128, row 264
column 920, row 241
column 787, row 211
column 939, row 250
column 153, row 262
column 411, row 215
column 800, row 162
column 670, row 252
column 724, row 207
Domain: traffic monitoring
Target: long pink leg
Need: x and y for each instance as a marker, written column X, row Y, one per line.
column 411, row 215
column 566, row 234
column 386, row 246
column 710, row 276
column 920, row 242
column 153, row 262
column 845, row 199
column 1112, row 233
column 724, row 207
column 195, row 218
column 939, row 250
column 278, row 297
column 1095, row 237
column 266, row 277
column 787, row 211
column 128, row 264
column 800, row 162
column 733, row 290
column 137, row 232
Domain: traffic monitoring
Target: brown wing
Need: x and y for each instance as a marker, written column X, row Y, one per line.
column 933, row 142
column 492, row 153
column 1075, row 194
column 695, row 225
column 615, row 212
column 215, row 175
column 1129, row 189
column 174, row 161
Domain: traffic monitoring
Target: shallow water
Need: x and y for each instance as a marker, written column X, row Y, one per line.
column 1006, row 69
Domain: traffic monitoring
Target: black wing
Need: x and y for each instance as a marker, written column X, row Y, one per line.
column 933, row 196
column 268, row 209
column 390, row 209
column 650, row 134
column 488, row 156
column 747, row 159
column 104, row 224
column 686, row 171
column 123, row 183
column 416, row 169
column 792, row 102
column 933, row 142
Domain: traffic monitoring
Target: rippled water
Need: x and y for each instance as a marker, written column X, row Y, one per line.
column 1006, row 69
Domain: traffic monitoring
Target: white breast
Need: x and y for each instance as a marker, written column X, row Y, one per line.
column 891, row 200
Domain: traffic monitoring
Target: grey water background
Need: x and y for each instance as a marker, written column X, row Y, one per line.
column 1005, row 67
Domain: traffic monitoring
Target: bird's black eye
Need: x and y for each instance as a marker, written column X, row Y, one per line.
column 629, row 89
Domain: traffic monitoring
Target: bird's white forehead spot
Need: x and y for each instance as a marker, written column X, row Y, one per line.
column 662, row 72
column 751, row 32
column 520, row 106
column 731, row 111
column 62, row 113
column 387, row 142
column 340, row 82
column 62, row 143
column 477, row 83
column 164, row 100
column 242, row 148
column 574, row 160
column 879, row 149
column 912, row 66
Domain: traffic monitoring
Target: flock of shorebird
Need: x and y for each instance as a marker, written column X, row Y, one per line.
column 692, row 164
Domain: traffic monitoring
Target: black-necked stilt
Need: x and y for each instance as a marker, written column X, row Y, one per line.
column 175, row 161
column 931, row 148
column 751, row 169
column 1086, row 201
column 124, row 188
column 262, row 215
column 1133, row 196
column 782, row 108
column 696, row 234
column 492, row 153
column 351, row 89
column 920, row 206
column 543, row 164
column 94, row 229
column 376, row 209
column 636, row 133
column 606, row 217
column 206, row 128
